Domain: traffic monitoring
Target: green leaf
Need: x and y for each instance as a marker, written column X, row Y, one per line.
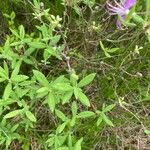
column 15, row 33
column 28, row 60
column 6, row 102
column 129, row 16
column 70, row 140
column 30, row 116
column 108, row 108
column 42, row 89
column 62, row 87
column 37, row 45
column 6, row 69
column 76, row 91
column 16, row 43
column 12, row 15
column 147, row 15
column 51, row 141
column 44, row 30
column 36, row 3
column 2, row 79
column 7, row 45
column 46, row 55
column 73, row 121
column 74, row 108
column 41, row 78
column 8, row 90
column 112, row 50
column 126, row 23
column 86, row 114
column 83, row 99
column 19, row 78
column 29, row 51
column 74, row 78
column 14, row 128
column 88, row 79
column 60, row 115
column 3, row 73
column 147, row 132
column 99, row 121
column 51, row 51
column 102, row 46
column 105, row 50
column 26, row 146
column 67, row 96
column 21, row 31
column 55, row 39
column 78, row 144
column 61, row 127
column 21, row 91
column 26, row 83
column 13, row 114
column 41, row 95
column 106, row 119
column 61, row 79
column 138, row 19
column 63, row 148
column 16, row 70
column 51, row 101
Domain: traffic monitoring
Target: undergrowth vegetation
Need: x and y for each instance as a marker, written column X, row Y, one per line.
column 71, row 79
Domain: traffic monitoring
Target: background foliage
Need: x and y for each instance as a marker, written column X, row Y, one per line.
column 70, row 80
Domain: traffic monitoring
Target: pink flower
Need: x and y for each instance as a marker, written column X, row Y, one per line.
column 120, row 8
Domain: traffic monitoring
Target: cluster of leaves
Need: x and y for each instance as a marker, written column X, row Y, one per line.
column 56, row 110
column 24, row 89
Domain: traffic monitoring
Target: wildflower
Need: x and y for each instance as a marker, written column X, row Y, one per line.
column 121, row 9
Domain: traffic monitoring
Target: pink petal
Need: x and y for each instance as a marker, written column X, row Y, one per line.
column 129, row 3
column 118, row 24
